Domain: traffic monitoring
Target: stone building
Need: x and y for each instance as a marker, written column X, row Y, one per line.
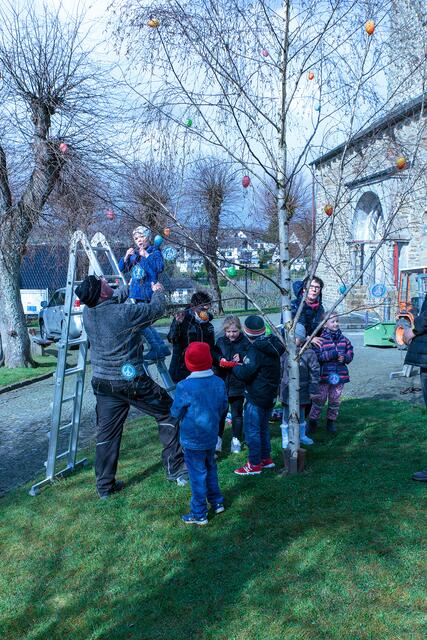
column 379, row 222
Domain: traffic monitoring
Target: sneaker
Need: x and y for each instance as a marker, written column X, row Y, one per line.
column 181, row 481
column 249, row 469
column 236, row 447
column 117, row 486
column 267, row 463
column 190, row 518
column 420, row 476
column 218, row 445
column 218, row 508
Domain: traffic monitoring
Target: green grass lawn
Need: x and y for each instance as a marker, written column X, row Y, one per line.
column 10, row 376
column 336, row 553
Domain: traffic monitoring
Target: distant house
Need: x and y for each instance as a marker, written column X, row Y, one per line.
column 44, row 267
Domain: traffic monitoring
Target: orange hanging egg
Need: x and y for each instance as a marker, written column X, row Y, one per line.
column 401, row 163
column 203, row 316
column 370, row 27
column 328, row 209
column 166, row 232
column 311, row 75
column 153, row 23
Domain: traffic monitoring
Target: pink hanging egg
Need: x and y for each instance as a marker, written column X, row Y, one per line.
column 246, row 181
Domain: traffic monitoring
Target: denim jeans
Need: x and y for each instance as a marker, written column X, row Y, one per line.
column 423, row 378
column 257, row 432
column 203, row 475
column 153, row 338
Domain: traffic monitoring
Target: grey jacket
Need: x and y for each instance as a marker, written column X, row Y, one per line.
column 114, row 333
column 309, row 375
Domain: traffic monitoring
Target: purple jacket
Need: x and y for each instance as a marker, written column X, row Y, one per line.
column 334, row 344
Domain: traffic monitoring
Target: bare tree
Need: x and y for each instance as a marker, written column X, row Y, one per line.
column 247, row 76
column 211, row 195
column 52, row 101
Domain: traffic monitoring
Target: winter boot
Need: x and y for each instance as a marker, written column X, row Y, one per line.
column 312, row 426
column 285, row 434
column 331, row 426
column 302, row 437
column 237, row 425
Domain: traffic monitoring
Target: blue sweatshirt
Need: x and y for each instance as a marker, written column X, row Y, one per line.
column 200, row 400
column 144, row 271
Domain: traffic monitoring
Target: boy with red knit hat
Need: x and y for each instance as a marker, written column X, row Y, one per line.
column 200, row 401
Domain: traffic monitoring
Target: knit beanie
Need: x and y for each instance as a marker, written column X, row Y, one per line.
column 198, row 356
column 254, row 326
column 300, row 331
column 142, row 231
column 89, row 291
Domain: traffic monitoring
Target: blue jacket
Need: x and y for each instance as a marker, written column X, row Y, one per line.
column 153, row 265
column 200, row 401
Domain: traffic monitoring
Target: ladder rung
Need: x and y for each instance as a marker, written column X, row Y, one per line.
column 75, row 313
column 65, row 426
column 76, row 341
column 68, row 398
column 73, row 370
column 63, row 454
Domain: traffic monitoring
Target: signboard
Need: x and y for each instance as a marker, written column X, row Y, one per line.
column 31, row 299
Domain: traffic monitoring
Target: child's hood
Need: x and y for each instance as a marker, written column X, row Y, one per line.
column 269, row 345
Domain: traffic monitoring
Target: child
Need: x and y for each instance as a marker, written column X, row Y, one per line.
column 229, row 349
column 309, row 373
column 334, row 354
column 145, row 264
column 261, row 373
column 192, row 325
column 200, row 400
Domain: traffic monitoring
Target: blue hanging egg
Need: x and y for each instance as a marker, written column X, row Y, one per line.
column 317, row 106
column 342, row 289
column 158, row 241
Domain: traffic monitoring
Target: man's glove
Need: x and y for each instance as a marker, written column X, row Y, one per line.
column 227, row 364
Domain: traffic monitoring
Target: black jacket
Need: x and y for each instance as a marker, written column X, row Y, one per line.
column 181, row 334
column 225, row 348
column 309, row 317
column 417, row 350
column 261, row 371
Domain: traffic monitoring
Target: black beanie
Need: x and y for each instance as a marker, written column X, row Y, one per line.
column 89, row 291
column 254, row 326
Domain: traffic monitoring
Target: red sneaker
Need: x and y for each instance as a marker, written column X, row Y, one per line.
column 249, row 469
column 267, row 463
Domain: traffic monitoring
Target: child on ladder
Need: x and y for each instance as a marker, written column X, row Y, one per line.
column 334, row 354
column 145, row 263
column 309, row 374
column 230, row 349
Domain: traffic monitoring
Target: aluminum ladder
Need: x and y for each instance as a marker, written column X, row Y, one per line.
column 94, row 249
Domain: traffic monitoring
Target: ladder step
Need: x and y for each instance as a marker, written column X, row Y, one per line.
column 68, row 398
column 73, row 370
column 75, row 313
column 75, row 341
column 65, row 426
column 62, row 455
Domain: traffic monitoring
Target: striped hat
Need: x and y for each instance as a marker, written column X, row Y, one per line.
column 254, row 326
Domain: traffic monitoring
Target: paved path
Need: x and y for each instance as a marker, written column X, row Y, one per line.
column 25, row 413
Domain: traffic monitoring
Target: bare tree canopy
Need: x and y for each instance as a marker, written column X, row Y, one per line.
column 53, row 103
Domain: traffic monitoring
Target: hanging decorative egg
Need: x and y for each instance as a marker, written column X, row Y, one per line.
column 170, row 253
column 311, row 75
column 401, row 163
column 153, row 23
column 328, row 209
column 370, row 27
column 317, row 107
column 264, row 53
column 158, row 241
column 110, row 214
column 166, row 232
column 342, row 290
column 203, row 316
column 231, row 272
column 63, row 147
column 246, row 181
column 189, row 122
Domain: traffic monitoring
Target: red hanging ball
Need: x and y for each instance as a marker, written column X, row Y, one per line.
column 63, row 147
column 110, row 215
column 246, row 181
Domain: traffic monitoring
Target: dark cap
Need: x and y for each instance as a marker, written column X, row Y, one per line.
column 89, row 291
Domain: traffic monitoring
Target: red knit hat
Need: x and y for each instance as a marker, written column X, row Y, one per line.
column 198, row 356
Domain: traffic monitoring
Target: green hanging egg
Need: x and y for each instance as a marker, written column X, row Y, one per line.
column 231, row 272
column 189, row 122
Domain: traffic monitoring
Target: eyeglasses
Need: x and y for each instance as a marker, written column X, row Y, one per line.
column 315, row 286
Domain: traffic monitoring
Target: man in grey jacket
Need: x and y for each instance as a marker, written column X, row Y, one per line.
column 119, row 380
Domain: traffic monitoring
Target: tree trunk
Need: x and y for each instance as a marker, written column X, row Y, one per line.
column 285, row 273
column 213, row 280
column 13, row 329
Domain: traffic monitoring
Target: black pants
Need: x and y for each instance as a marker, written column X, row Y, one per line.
column 236, row 408
column 113, row 401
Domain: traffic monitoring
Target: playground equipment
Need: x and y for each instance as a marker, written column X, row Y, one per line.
column 100, row 256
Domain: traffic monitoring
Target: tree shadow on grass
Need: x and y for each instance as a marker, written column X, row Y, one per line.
column 319, row 555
